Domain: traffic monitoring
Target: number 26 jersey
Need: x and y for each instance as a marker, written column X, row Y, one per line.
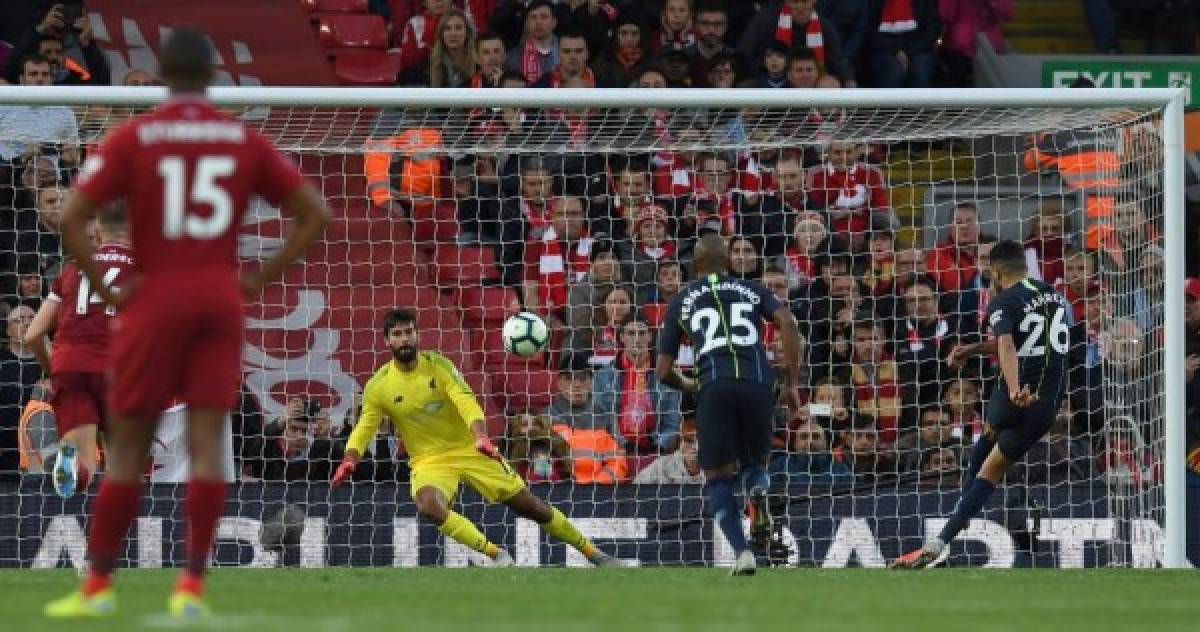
column 1039, row 319
column 723, row 317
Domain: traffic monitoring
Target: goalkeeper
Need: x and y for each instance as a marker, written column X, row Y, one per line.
column 442, row 428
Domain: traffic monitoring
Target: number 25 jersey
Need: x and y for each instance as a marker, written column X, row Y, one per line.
column 723, row 316
column 187, row 172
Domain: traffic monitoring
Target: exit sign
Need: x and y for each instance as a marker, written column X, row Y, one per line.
column 1126, row 74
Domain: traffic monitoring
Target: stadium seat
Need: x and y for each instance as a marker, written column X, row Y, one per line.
column 529, row 390
column 343, row 33
column 367, row 68
column 489, row 351
column 434, row 222
column 486, row 307
column 461, row 266
column 335, row 6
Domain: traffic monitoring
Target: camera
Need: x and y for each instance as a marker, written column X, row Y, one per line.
column 72, row 10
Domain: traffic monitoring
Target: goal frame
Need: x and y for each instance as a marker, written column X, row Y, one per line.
column 1171, row 100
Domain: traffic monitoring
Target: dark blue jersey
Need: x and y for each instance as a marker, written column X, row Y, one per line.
column 723, row 316
column 1039, row 319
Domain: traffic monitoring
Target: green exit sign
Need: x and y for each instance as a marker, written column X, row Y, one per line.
column 1126, row 74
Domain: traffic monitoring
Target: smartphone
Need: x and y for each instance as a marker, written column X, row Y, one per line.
column 820, row 410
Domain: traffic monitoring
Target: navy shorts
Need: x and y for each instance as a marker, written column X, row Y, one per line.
column 735, row 420
column 1016, row 428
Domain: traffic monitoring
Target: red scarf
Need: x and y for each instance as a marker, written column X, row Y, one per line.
column 879, row 397
column 665, row 251
column 554, row 265
column 803, row 263
column 897, row 17
column 636, row 419
column 538, row 222
column 915, row 343
column 605, row 346
column 667, row 39
column 531, row 62
column 814, row 38
column 576, row 120
column 1048, row 251
column 418, row 38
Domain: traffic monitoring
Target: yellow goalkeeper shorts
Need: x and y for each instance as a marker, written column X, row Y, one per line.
column 494, row 481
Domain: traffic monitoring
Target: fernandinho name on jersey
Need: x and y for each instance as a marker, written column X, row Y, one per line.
column 695, row 293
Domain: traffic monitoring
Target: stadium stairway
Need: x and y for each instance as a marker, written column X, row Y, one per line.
column 909, row 174
column 1052, row 27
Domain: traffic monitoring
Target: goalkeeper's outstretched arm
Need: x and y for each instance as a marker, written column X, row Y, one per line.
column 362, row 435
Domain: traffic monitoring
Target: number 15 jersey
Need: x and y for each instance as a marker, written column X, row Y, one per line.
column 1039, row 319
column 723, row 316
column 187, row 172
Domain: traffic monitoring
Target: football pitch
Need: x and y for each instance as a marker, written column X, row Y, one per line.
column 612, row 600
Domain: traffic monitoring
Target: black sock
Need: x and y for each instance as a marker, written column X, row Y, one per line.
column 969, row 504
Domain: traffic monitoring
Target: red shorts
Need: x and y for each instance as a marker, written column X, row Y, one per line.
column 179, row 338
column 78, row 400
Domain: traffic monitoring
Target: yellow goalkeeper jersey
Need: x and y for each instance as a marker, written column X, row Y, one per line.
column 431, row 406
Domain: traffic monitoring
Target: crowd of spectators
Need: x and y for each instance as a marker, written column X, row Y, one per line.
column 600, row 243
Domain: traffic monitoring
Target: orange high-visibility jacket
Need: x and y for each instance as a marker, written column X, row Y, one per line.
column 418, row 172
column 597, row 456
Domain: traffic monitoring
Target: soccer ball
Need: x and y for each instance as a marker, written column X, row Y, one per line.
column 525, row 334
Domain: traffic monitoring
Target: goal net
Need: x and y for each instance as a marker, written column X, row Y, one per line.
column 872, row 222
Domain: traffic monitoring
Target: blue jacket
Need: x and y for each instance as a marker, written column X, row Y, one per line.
column 808, row 467
column 607, row 394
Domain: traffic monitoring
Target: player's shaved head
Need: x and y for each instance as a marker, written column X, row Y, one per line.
column 186, row 61
column 710, row 256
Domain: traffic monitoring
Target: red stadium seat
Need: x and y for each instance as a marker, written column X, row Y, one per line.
column 367, row 68
column 487, row 307
column 335, row 6
column 488, row 345
column 459, row 266
column 434, row 222
column 526, row 390
column 342, row 33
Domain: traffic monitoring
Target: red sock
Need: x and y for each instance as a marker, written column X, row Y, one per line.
column 84, row 478
column 205, row 504
column 94, row 583
column 190, row 583
column 116, row 508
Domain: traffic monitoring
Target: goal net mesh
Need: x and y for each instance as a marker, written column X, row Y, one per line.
column 873, row 224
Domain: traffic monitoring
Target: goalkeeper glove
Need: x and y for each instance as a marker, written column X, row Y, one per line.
column 485, row 446
column 344, row 471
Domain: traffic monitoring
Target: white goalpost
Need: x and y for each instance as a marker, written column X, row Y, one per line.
column 452, row 203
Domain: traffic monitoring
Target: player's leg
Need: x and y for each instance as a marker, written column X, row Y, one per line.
column 755, row 427
column 433, row 488
column 497, row 482
column 204, row 502
column 715, row 410
column 79, row 409
column 116, row 508
column 1016, row 430
column 76, row 460
column 555, row 523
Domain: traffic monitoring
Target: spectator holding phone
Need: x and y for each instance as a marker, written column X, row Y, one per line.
column 63, row 28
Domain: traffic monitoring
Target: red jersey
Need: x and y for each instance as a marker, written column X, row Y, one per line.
column 81, row 335
column 186, row 171
column 861, row 189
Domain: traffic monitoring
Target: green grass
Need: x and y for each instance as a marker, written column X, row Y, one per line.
column 615, row 600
